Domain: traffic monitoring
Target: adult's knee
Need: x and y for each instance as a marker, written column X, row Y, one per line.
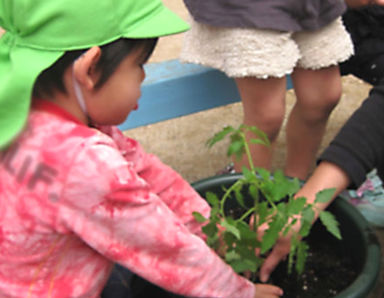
column 318, row 106
column 269, row 122
column 331, row 98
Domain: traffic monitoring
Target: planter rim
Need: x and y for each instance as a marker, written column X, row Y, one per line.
column 365, row 282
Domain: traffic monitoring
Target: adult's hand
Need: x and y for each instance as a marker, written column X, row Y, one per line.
column 278, row 253
column 326, row 175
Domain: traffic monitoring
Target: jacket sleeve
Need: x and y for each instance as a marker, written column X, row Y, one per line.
column 359, row 146
column 114, row 210
column 171, row 188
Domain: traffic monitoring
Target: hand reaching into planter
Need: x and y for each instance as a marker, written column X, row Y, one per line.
column 278, row 254
column 326, row 175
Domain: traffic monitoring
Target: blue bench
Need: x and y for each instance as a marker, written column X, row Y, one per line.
column 173, row 89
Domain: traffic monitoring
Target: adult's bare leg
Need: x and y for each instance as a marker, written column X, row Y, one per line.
column 263, row 103
column 317, row 92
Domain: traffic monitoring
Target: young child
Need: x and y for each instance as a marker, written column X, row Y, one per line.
column 76, row 196
column 258, row 43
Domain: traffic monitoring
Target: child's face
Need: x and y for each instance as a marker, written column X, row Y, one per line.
column 112, row 103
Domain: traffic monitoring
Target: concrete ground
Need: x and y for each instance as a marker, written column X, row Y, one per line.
column 180, row 142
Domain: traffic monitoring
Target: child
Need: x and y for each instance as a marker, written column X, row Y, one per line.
column 258, row 43
column 76, row 195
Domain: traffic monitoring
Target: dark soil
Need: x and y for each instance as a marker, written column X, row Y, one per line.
column 329, row 269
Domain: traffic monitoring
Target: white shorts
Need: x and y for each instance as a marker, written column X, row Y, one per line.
column 240, row 52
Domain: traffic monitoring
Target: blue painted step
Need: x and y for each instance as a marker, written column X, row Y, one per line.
column 173, row 89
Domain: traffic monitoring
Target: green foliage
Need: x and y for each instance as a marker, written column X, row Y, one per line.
column 273, row 207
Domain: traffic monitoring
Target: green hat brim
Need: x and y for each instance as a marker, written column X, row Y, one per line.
column 149, row 28
column 21, row 64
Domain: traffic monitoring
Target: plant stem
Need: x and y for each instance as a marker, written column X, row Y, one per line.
column 226, row 195
column 248, row 153
column 246, row 214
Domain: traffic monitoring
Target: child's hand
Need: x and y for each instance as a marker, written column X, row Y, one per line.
column 267, row 291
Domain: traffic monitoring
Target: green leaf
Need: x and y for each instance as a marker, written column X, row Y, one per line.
column 254, row 192
column 247, row 235
column 210, row 229
column 258, row 142
column 272, row 233
column 199, row 217
column 264, row 174
column 230, row 227
column 331, row 224
column 288, row 227
column 231, row 256
column 248, row 174
column 212, row 199
column 267, row 188
column 293, row 186
column 305, row 228
column 282, row 186
column 263, row 212
column 272, row 191
column 236, row 148
column 302, row 254
column 279, row 176
column 214, row 242
column 324, row 196
column 247, row 253
column 292, row 253
column 308, row 214
column 307, row 217
column 220, row 135
column 229, row 239
column 261, row 134
column 243, row 265
column 239, row 198
column 295, row 206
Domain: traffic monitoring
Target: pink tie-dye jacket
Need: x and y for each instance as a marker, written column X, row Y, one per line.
column 74, row 200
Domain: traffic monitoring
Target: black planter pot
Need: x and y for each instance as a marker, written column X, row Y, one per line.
column 359, row 242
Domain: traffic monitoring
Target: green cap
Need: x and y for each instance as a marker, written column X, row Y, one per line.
column 39, row 32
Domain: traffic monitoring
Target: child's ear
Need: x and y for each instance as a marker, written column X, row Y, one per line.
column 83, row 67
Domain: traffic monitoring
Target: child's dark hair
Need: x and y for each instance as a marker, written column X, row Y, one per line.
column 112, row 54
